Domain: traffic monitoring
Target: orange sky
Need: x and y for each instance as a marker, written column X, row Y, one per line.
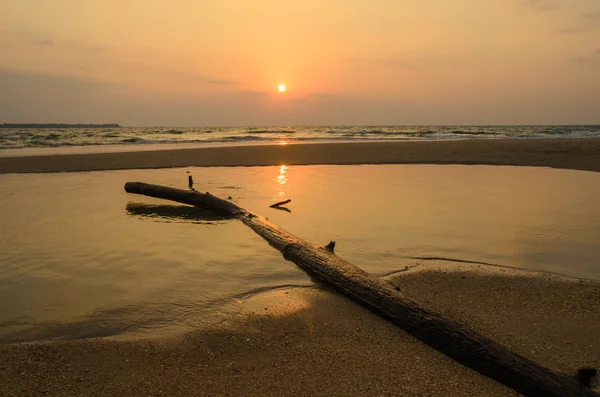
column 219, row 62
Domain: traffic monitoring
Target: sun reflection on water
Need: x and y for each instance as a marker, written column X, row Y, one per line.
column 282, row 179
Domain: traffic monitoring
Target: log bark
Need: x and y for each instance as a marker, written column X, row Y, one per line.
column 436, row 330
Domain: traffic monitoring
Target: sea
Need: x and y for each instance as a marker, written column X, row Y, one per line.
column 61, row 137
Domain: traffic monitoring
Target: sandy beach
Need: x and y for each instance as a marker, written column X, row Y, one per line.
column 306, row 342
column 576, row 154
column 310, row 341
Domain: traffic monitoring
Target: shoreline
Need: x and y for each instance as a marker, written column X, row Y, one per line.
column 575, row 154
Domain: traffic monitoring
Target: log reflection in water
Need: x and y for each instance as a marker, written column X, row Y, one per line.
column 174, row 212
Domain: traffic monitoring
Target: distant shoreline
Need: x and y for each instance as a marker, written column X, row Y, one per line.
column 575, row 154
column 15, row 125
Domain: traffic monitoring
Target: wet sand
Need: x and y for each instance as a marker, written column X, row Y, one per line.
column 309, row 341
column 577, row 154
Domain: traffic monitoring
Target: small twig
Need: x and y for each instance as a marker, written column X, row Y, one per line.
column 280, row 203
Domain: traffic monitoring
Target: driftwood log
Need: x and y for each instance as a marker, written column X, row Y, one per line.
column 436, row 330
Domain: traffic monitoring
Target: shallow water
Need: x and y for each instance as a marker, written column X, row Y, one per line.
column 79, row 257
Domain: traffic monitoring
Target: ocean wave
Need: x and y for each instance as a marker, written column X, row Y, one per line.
column 396, row 133
column 271, row 132
column 461, row 132
column 243, row 138
column 133, row 140
column 42, row 143
column 30, row 138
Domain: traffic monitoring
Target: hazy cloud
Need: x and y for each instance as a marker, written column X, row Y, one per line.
column 410, row 63
column 572, row 31
column 580, row 18
column 322, row 96
column 543, row 5
column 255, row 93
column 587, row 57
column 24, row 38
column 400, row 61
column 592, row 15
column 43, row 98
column 13, row 82
column 218, row 81
column 29, row 97
column 4, row 42
column 191, row 80
column 84, row 48
column 52, row 98
column 43, row 43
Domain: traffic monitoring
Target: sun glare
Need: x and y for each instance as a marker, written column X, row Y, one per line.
column 281, row 88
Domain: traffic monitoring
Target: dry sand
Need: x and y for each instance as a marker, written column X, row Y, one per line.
column 577, row 154
column 314, row 342
column 306, row 342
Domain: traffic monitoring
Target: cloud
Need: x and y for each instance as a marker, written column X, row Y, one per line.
column 28, row 38
column 36, row 97
column 583, row 23
column 398, row 61
column 255, row 93
column 216, row 81
column 579, row 21
column 572, row 31
column 24, row 38
column 4, row 42
column 542, row 5
column 169, row 80
column 591, row 56
column 15, row 78
column 45, row 98
column 321, row 96
column 43, row 43
column 591, row 15
column 407, row 63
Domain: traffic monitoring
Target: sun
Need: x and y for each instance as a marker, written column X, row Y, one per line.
column 281, row 88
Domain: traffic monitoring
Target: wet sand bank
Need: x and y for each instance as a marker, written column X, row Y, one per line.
column 577, row 154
